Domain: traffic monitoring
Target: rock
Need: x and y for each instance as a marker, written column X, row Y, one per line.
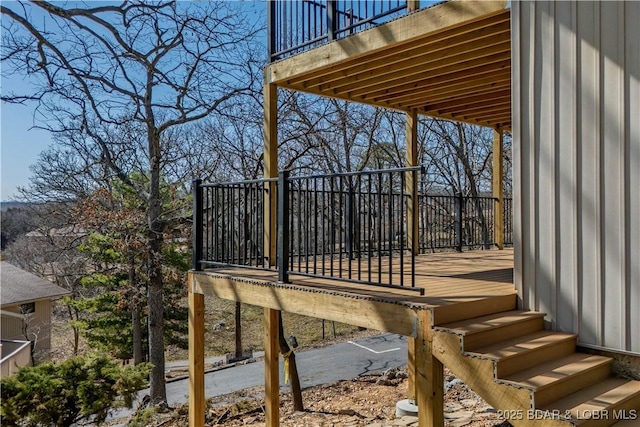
column 350, row 412
column 460, row 422
column 469, row 403
column 450, row 384
column 406, row 420
column 459, row 418
column 452, row 407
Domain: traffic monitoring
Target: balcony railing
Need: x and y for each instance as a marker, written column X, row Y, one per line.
column 350, row 226
column 457, row 222
column 295, row 26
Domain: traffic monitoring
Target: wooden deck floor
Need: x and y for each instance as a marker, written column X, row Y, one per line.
column 456, row 286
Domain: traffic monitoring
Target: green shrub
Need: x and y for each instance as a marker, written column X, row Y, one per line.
column 61, row 394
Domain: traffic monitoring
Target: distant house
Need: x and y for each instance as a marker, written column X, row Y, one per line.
column 25, row 308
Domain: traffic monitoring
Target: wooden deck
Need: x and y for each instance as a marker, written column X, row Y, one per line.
column 456, row 286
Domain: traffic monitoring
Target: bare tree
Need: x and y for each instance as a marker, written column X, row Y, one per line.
column 151, row 66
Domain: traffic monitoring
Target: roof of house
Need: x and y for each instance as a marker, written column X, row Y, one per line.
column 19, row 286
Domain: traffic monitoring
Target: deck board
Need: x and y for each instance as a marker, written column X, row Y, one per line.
column 456, row 286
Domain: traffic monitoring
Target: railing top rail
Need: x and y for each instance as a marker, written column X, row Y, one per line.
column 366, row 172
column 247, row 181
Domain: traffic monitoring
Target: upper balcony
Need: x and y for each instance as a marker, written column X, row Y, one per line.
column 450, row 60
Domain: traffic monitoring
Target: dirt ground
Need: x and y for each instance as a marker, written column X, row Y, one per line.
column 363, row 401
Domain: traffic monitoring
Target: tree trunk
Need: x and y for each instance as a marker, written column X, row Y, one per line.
column 296, row 391
column 76, row 331
column 135, row 315
column 158, row 391
column 238, row 330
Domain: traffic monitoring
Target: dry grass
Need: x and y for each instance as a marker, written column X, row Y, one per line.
column 220, row 331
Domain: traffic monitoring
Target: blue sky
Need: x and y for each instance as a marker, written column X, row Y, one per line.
column 20, row 145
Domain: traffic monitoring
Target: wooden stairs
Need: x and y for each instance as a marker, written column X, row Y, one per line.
column 534, row 377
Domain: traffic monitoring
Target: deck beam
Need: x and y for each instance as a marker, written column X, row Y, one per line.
column 367, row 312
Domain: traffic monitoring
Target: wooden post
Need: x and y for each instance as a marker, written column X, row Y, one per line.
column 412, row 229
column 411, row 368
column 413, row 5
column 270, row 126
column 271, row 371
column 429, row 375
column 196, row 358
column 411, row 182
column 498, row 188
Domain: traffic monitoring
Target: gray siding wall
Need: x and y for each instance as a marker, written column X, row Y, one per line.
column 576, row 134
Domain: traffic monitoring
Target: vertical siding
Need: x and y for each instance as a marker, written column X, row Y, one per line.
column 576, row 106
column 632, row 167
column 38, row 330
column 11, row 326
column 42, row 324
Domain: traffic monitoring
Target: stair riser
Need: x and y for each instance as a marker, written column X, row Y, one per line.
column 470, row 310
column 534, row 357
column 477, row 340
column 571, row 384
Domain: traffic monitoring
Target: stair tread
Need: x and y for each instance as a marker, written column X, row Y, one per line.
column 598, row 396
column 491, row 321
column 515, row 346
column 546, row 374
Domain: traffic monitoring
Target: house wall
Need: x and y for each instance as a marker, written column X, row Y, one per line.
column 15, row 355
column 39, row 328
column 576, row 149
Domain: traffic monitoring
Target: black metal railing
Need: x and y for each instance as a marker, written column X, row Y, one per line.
column 350, row 226
column 294, row 26
column 454, row 222
column 229, row 223
column 507, row 218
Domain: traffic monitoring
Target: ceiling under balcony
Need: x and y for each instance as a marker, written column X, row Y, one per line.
column 451, row 61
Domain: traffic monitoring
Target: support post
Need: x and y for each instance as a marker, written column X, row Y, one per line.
column 429, row 375
column 196, row 358
column 270, row 129
column 412, row 227
column 498, row 188
column 271, row 369
column 411, row 368
column 411, row 183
